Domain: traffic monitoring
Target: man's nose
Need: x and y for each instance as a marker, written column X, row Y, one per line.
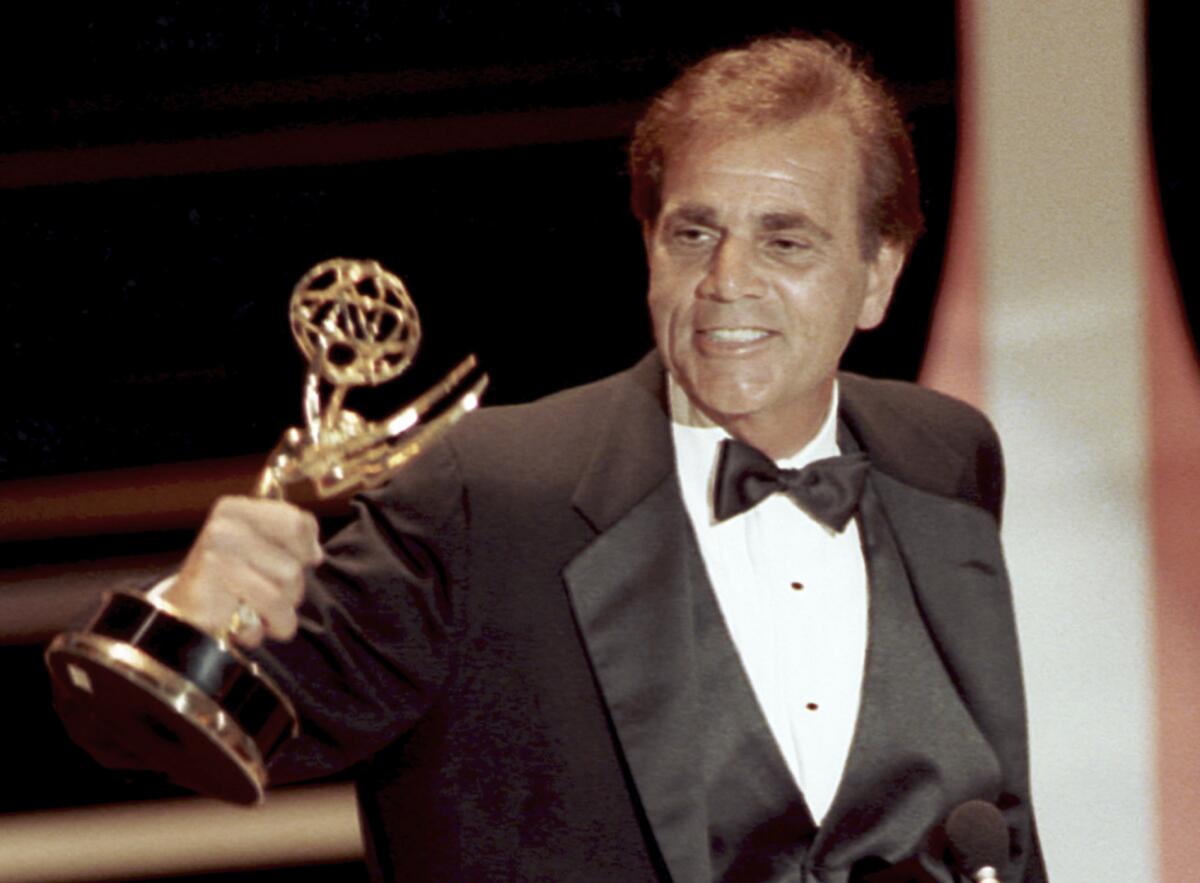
column 732, row 272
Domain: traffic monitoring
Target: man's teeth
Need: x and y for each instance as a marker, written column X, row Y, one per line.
column 736, row 335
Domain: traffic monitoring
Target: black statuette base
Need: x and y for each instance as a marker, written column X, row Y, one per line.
column 175, row 698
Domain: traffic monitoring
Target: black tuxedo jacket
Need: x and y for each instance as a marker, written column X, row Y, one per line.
column 507, row 648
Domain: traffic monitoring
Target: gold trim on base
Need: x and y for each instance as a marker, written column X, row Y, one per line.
column 175, row 691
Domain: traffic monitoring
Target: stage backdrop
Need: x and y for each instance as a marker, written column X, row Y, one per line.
column 166, row 177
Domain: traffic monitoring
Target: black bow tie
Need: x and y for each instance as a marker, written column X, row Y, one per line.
column 828, row 489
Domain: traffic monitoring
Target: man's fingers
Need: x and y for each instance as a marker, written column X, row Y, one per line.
column 291, row 528
column 263, row 598
column 228, row 538
column 251, row 552
column 258, row 596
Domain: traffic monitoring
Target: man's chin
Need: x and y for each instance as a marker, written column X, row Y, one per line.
column 734, row 405
column 725, row 409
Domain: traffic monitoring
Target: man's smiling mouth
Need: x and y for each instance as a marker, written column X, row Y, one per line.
column 735, row 335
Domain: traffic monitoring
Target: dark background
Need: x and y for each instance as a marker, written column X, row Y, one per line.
column 169, row 170
column 145, row 316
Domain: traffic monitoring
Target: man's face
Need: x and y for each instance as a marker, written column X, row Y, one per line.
column 757, row 278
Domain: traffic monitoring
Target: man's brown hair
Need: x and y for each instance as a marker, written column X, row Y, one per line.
column 778, row 80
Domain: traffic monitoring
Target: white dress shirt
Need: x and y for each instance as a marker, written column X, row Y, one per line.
column 794, row 596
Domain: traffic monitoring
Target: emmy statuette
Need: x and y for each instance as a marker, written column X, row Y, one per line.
column 191, row 703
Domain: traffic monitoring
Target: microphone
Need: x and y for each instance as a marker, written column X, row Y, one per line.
column 978, row 839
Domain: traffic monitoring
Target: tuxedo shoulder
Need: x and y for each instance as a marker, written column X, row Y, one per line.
column 540, row 443
column 898, row 401
column 558, row 422
column 926, row 439
column 507, row 465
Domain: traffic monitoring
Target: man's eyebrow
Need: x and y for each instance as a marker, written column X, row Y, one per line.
column 776, row 221
column 694, row 213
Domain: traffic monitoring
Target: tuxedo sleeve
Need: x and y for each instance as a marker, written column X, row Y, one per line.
column 376, row 645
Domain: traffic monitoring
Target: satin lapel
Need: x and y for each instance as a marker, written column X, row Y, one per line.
column 917, row 750
column 628, row 590
column 636, row 618
column 953, row 555
column 952, row 552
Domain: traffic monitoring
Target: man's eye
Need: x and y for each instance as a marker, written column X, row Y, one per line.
column 691, row 237
column 786, row 246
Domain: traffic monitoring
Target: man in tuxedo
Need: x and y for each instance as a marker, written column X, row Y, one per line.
column 727, row 615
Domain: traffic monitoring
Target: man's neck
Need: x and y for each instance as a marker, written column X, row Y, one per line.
column 778, row 438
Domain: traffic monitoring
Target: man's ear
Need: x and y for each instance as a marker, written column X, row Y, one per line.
column 882, row 273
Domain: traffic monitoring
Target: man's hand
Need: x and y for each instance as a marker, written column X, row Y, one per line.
column 252, row 552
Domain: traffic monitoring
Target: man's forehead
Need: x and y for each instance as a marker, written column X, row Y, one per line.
column 777, row 170
column 828, row 126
